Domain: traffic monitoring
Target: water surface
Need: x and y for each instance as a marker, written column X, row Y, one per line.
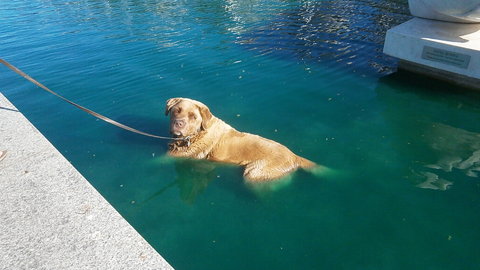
column 308, row 74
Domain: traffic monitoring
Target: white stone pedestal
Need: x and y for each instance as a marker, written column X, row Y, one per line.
column 448, row 51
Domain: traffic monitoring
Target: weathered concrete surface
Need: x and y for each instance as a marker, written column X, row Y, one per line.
column 51, row 217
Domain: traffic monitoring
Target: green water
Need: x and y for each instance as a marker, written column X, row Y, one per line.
column 308, row 74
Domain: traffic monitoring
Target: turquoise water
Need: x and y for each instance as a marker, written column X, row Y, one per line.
column 308, row 74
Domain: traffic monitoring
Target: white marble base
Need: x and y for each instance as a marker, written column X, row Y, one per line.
column 443, row 47
column 464, row 11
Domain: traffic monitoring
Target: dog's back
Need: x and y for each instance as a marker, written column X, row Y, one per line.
column 263, row 159
column 215, row 140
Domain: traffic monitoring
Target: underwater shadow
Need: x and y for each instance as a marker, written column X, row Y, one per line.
column 192, row 179
column 421, row 85
column 194, row 176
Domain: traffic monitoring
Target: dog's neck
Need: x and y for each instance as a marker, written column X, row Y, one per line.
column 183, row 145
column 201, row 144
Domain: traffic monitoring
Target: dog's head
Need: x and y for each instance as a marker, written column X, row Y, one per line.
column 187, row 117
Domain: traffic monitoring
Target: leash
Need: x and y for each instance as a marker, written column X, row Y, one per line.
column 99, row 116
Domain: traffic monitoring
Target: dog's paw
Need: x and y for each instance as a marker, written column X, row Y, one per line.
column 265, row 188
column 325, row 172
column 164, row 160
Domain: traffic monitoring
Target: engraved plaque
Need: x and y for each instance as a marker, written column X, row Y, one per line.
column 446, row 57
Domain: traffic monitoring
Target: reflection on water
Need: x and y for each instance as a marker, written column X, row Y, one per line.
column 346, row 33
column 244, row 14
column 456, row 149
column 331, row 31
column 432, row 181
column 437, row 149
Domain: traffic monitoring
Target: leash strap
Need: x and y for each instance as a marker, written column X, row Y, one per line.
column 99, row 116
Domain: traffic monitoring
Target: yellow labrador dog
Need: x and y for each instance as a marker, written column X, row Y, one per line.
column 213, row 139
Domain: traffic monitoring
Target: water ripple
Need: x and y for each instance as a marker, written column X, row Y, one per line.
column 350, row 33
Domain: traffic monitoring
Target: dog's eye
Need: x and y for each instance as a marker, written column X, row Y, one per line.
column 192, row 116
column 176, row 111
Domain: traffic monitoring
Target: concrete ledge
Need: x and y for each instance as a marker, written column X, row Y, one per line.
column 441, row 75
column 441, row 47
column 51, row 217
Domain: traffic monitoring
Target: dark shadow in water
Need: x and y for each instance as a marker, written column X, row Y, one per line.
column 424, row 86
column 434, row 128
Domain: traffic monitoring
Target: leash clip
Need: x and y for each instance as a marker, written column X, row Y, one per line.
column 187, row 140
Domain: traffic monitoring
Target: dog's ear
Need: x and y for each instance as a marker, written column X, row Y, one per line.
column 206, row 116
column 170, row 103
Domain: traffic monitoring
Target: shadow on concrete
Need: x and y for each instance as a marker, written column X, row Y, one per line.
column 8, row 109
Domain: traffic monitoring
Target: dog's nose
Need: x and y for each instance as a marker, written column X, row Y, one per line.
column 179, row 123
